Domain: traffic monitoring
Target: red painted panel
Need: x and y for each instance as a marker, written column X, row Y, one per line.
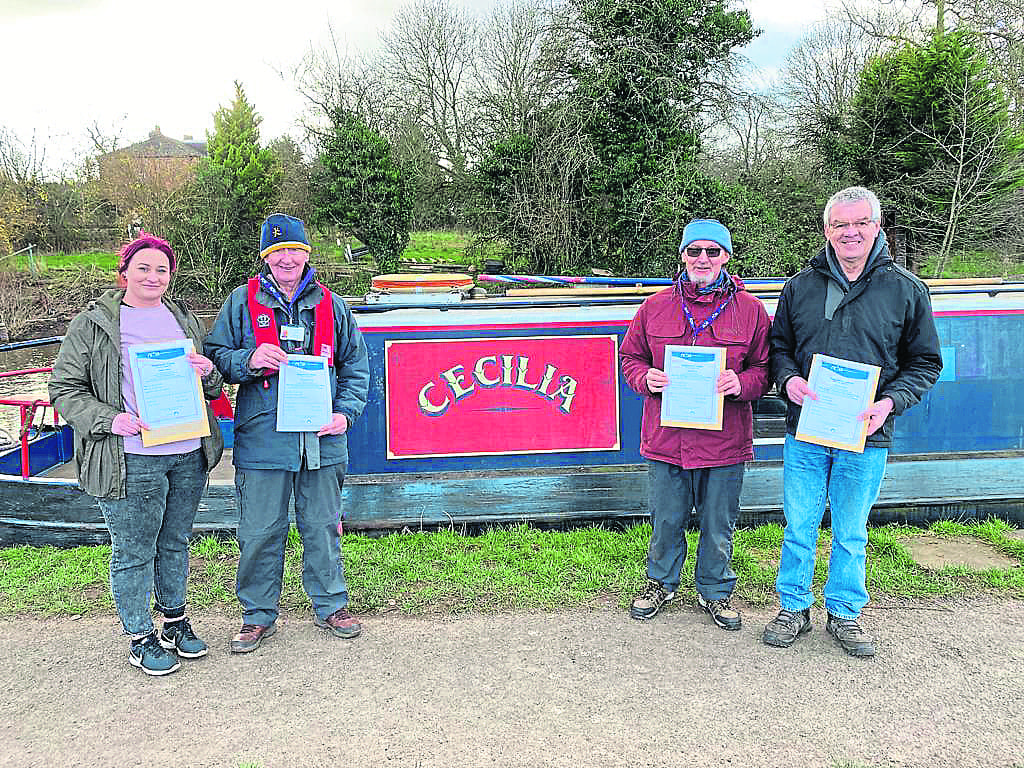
column 464, row 397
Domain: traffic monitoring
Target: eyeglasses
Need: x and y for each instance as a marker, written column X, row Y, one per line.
column 859, row 225
column 694, row 253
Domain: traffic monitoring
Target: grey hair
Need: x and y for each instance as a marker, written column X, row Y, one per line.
column 853, row 195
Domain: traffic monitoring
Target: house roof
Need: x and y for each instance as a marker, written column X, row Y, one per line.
column 158, row 145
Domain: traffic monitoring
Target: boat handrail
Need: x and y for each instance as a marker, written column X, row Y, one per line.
column 27, row 414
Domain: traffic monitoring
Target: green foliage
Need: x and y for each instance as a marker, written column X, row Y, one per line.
column 216, row 220
column 252, row 175
column 639, row 74
column 359, row 188
column 930, row 132
column 606, row 175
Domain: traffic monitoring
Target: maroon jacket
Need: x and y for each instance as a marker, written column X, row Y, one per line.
column 742, row 329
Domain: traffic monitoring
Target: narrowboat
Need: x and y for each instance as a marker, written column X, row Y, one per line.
column 500, row 410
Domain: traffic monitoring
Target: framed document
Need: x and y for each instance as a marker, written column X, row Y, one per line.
column 168, row 392
column 845, row 389
column 303, row 394
column 691, row 398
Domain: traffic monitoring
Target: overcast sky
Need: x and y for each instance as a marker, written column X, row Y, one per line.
column 129, row 65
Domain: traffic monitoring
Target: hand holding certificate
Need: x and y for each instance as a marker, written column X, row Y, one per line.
column 168, row 392
column 303, row 394
column 691, row 398
column 844, row 389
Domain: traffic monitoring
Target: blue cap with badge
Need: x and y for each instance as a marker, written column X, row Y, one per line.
column 282, row 231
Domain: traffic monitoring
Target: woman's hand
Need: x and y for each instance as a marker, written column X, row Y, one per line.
column 202, row 365
column 125, row 425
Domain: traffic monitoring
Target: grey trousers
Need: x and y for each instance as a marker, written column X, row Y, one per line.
column 673, row 493
column 263, row 496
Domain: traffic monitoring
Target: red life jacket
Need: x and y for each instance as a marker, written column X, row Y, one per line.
column 264, row 326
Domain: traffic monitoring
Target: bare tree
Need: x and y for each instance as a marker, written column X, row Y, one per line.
column 821, row 73
column 967, row 194
column 509, row 82
column 20, row 162
column 744, row 133
column 428, row 52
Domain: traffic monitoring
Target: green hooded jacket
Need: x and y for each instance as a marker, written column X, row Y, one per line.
column 85, row 388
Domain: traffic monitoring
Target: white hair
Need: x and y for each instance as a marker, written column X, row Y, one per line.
column 853, row 195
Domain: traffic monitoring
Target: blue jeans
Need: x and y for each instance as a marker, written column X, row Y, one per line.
column 263, row 496
column 149, row 532
column 851, row 482
column 673, row 494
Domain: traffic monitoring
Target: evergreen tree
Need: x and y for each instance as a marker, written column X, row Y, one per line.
column 216, row 229
column 359, row 188
column 930, row 131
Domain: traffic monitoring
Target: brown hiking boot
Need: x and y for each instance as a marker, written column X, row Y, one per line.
column 250, row 636
column 341, row 623
column 721, row 612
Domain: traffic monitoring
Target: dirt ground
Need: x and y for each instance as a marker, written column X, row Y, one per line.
column 564, row 689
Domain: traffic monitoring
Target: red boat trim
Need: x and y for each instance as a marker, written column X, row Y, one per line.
column 492, row 327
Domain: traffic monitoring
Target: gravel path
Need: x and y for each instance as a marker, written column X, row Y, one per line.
column 565, row 689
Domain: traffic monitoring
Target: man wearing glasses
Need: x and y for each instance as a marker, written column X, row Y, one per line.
column 284, row 310
column 852, row 303
column 697, row 469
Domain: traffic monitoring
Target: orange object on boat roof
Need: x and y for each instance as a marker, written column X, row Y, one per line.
column 439, row 281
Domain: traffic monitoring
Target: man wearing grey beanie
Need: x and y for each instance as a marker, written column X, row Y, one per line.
column 693, row 469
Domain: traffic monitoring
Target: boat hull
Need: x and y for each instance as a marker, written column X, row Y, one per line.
column 516, row 411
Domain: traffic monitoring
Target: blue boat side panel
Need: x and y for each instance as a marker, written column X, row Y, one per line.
column 980, row 407
column 47, row 451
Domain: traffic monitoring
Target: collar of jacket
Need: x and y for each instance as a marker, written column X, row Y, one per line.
column 307, row 284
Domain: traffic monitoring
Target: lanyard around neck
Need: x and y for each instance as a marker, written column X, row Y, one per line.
column 706, row 323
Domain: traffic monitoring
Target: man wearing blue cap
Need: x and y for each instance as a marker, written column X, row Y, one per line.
column 697, row 469
column 282, row 311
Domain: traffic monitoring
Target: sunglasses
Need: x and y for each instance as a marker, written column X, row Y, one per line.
column 712, row 253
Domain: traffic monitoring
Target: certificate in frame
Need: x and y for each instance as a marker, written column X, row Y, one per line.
column 691, row 399
column 845, row 388
column 168, row 392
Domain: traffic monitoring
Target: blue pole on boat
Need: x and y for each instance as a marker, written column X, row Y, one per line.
column 600, row 280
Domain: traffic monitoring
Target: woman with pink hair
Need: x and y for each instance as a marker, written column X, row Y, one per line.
column 148, row 494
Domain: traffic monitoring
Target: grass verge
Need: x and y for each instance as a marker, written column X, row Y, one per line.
column 505, row 569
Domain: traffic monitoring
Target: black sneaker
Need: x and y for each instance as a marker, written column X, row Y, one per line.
column 784, row 629
column 147, row 654
column 847, row 632
column 178, row 636
column 647, row 604
column 721, row 611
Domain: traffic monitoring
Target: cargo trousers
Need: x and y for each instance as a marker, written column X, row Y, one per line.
column 263, row 497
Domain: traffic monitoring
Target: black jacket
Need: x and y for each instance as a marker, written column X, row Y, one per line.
column 885, row 319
